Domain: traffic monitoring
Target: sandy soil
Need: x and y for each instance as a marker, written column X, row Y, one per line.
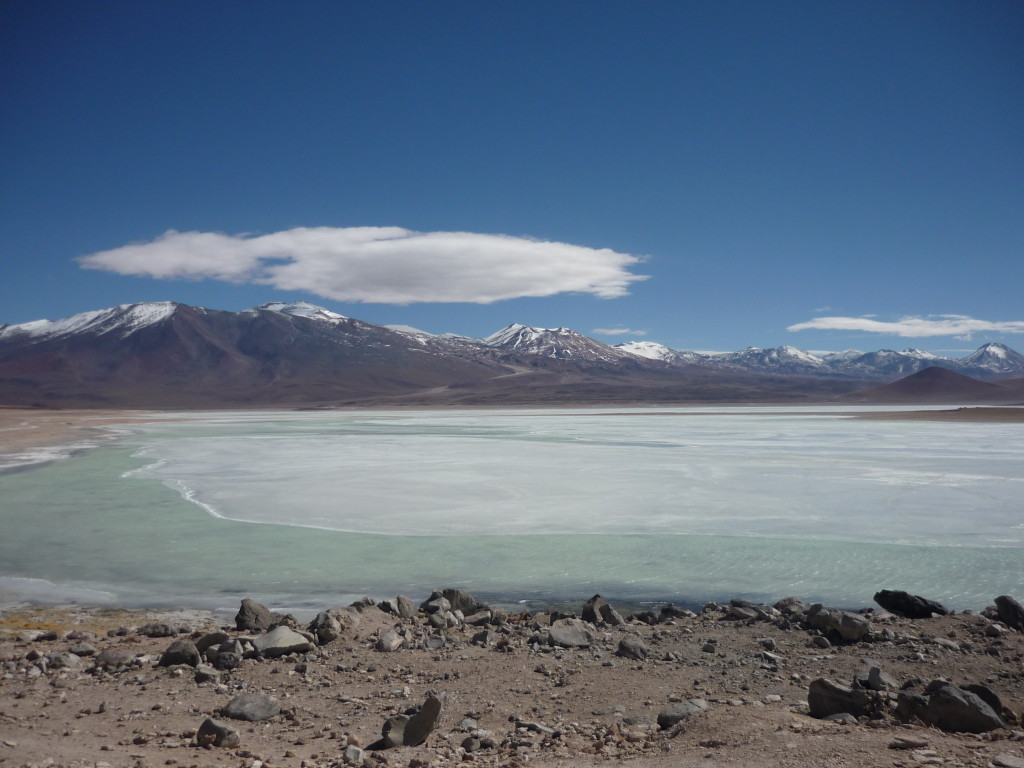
column 601, row 708
column 979, row 414
column 25, row 429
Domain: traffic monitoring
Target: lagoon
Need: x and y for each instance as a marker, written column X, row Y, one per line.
column 306, row 509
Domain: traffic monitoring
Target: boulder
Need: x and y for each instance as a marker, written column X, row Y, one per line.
column 390, row 641
column 592, row 610
column 253, row 616
column 251, row 707
column 157, row 629
column 954, row 709
column 180, row 652
column 213, row 733
column 632, row 647
column 209, row 644
column 325, row 628
column 907, row 605
column 570, row 633
column 410, row 730
column 825, row 698
column 676, row 713
column 280, row 642
column 1011, row 613
column 460, row 600
column 111, row 658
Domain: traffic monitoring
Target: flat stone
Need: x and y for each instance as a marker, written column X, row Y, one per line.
column 570, row 633
column 281, row 641
column 252, row 707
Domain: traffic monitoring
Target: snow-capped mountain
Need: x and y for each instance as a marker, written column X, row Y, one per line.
column 993, row 359
column 651, row 350
column 164, row 354
column 122, row 321
column 783, row 359
column 557, row 343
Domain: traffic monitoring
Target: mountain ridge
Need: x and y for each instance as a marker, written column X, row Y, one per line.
column 168, row 354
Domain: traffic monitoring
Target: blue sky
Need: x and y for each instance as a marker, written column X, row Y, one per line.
column 704, row 175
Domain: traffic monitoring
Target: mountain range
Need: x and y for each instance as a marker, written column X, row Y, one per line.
column 171, row 355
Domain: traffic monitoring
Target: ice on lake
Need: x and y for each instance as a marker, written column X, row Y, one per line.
column 643, row 503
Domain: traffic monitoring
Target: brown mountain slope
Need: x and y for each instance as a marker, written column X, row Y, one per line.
column 937, row 385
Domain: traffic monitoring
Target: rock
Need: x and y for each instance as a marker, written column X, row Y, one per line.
column 62, row 660
column 410, row 730
column 210, row 643
column 461, row 600
column 390, row 641
column 1011, row 613
column 227, row 660
column 1006, row 760
column 253, row 616
column 632, row 647
column 910, row 606
column 591, row 612
column 791, row 606
column 207, row 674
column 83, row 649
column 280, row 642
column 842, row 717
column 252, row 707
column 611, row 617
column 423, row 722
column 954, row 709
column 570, row 633
column 180, row 652
column 825, row 698
column 111, row 658
column 213, row 733
column 851, row 627
column 908, row 742
column 157, row 629
column 878, row 680
column 679, row 712
column 325, row 628
column 353, row 755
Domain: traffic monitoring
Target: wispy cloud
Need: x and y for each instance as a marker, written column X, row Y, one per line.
column 618, row 332
column 959, row 326
column 385, row 265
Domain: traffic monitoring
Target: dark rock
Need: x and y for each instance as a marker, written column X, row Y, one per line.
column 253, row 616
column 180, row 652
column 953, row 709
column 1011, row 613
column 987, row 695
column 213, row 733
column 407, row 730
column 207, row 674
column 825, row 698
column 611, row 617
column 791, row 606
column 911, row 606
column 252, row 707
column 632, row 647
column 226, row 660
column 422, row 723
column 592, row 610
column 461, row 600
column 83, row 649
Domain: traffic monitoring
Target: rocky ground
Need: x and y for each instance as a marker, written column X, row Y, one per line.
column 452, row 683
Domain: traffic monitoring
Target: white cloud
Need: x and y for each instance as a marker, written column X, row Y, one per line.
column 959, row 326
column 385, row 265
column 618, row 332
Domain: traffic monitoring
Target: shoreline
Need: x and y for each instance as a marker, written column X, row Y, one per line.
column 26, row 431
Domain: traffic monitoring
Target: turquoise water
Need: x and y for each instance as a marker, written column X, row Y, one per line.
column 307, row 510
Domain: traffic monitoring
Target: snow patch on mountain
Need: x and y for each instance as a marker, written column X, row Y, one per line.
column 648, row 349
column 302, row 309
column 124, row 319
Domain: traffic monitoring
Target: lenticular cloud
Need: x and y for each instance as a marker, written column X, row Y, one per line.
column 386, row 265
